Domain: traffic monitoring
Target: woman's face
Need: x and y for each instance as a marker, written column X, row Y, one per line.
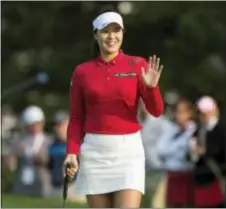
column 183, row 114
column 110, row 38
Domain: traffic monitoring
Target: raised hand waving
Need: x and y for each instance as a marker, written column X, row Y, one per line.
column 153, row 72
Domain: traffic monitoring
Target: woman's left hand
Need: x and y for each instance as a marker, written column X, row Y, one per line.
column 152, row 74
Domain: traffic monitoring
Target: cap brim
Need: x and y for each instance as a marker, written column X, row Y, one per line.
column 107, row 18
column 28, row 123
column 108, row 23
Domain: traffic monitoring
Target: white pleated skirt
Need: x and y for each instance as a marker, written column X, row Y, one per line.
column 110, row 163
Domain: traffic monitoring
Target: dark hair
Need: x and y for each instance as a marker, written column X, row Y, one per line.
column 95, row 49
column 188, row 105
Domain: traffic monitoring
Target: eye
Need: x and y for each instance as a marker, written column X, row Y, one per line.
column 105, row 30
column 117, row 29
column 111, row 30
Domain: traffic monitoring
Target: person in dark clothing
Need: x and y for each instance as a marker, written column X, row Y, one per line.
column 57, row 150
column 208, row 150
column 57, row 153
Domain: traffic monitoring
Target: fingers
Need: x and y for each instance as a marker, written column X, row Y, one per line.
column 142, row 71
column 150, row 63
column 157, row 63
column 71, row 172
column 160, row 69
column 143, row 74
column 70, row 167
column 153, row 63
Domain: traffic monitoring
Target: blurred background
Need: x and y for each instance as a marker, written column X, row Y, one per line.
column 42, row 42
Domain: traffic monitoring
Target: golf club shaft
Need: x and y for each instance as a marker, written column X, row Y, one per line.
column 66, row 179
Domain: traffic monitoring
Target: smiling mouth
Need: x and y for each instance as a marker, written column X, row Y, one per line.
column 113, row 43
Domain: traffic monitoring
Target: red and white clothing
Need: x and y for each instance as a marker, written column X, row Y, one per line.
column 103, row 102
column 173, row 148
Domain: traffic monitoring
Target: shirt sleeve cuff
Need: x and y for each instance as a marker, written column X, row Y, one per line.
column 153, row 89
column 75, row 149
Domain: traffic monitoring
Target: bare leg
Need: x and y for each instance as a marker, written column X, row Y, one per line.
column 127, row 199
column 100, row 201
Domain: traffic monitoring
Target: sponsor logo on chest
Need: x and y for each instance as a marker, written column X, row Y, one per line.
column 125, row 74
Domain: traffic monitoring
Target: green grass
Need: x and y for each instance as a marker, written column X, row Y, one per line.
column 11, row 201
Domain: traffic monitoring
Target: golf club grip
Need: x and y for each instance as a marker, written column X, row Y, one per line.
column 66, row 179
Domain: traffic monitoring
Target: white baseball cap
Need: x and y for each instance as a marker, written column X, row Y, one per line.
column 107, row 18
column 206, row 104
column 32, row 114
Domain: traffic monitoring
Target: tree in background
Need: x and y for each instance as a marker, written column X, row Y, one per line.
column 190, row 38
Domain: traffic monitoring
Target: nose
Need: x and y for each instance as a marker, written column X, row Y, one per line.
column 111, row 35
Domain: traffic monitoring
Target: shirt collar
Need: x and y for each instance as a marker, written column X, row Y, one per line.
column 116, row 59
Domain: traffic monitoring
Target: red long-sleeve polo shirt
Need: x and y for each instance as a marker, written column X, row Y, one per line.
column 104, row 98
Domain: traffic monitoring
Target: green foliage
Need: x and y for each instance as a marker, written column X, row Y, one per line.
column 190, row 38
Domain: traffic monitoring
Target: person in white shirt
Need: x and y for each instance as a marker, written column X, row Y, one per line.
column 151, row 131
column 173, row 147
column 30, row 153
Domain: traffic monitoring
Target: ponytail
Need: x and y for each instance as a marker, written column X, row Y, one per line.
column 95, row 51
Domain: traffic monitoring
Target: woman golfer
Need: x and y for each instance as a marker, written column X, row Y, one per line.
column 103, row 130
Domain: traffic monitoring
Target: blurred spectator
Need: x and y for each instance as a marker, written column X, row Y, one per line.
column 173, row 148
column 30, row 156
column 208, row 150
column 151, row 131
column 9, row 123
column 57, row 153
